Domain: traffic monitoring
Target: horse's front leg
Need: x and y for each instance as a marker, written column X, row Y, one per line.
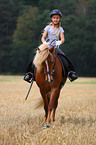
column 53, row 115
column 46, row 109
column 44, row 96
column 49, row 115
column 53, row 104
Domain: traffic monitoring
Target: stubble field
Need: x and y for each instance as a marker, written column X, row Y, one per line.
column 22, row 124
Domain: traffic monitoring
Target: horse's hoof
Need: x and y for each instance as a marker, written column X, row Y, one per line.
column 46, row 126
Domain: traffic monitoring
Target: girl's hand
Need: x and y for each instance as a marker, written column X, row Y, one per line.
column 45, row 42
column 58, row 43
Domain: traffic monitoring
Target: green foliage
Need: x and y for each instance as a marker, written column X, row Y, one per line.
column 79, row 45
column 9, row 12
column 22, row 24
column 26, row 38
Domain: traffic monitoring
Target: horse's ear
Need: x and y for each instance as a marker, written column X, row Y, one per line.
column 37, row 48
column 52, row 50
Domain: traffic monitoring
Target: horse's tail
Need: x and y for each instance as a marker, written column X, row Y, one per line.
column 39, row 103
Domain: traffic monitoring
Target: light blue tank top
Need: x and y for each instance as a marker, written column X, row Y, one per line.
column 51, row 35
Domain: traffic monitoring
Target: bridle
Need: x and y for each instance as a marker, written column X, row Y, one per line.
column 50, row 72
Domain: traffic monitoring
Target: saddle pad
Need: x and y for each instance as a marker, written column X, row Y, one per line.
column 63, row 68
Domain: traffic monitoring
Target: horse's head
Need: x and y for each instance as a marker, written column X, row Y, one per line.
column 45, row 59
column 41, row 55
column 49, row 65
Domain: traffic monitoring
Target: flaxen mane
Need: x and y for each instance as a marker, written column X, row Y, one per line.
column 41, row 56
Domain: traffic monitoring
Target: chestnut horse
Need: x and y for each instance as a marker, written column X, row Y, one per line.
column 49, row 78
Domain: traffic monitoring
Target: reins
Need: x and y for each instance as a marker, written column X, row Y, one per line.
column 29, row 89
column 52, row 71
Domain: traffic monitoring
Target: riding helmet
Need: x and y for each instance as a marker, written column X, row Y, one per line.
column 55, row 12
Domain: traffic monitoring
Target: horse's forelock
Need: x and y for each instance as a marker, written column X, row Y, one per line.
column 43, row 46
column 41, row 56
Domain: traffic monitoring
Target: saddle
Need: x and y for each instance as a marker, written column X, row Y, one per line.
column 31, row 68
column 65, row 62
column 63, row 67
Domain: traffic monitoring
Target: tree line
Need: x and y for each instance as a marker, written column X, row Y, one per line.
column 22, row 23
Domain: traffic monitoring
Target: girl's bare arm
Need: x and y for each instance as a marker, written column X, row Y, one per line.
column 62, row 37
column 44, row 36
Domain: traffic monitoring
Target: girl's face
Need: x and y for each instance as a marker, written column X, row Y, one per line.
column 56, row 19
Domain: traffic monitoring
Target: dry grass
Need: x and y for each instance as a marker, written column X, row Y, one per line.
column 21, row 124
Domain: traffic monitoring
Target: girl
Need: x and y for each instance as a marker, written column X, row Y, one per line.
column 51, row 36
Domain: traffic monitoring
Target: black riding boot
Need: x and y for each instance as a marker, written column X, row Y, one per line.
column 68, row 65
column 30, row 73
column 28, row 77
column 70, row 70
column 72, row 76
